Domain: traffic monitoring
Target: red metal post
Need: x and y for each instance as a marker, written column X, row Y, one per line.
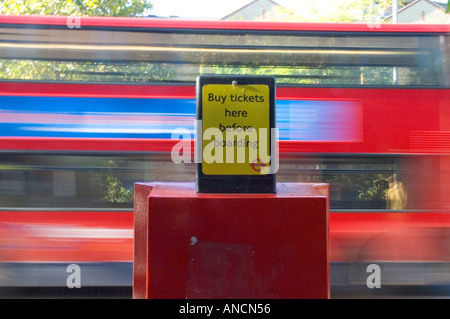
column 223, row 246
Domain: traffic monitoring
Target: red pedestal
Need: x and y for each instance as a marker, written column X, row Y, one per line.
column 222, row 246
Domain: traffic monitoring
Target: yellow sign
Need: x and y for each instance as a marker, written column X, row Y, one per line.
column 236, row 129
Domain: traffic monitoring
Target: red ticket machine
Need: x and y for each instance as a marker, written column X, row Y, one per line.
column 231, row 246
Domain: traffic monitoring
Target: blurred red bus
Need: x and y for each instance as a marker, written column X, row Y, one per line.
column 86, row 112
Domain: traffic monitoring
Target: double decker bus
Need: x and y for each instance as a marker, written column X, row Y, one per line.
column 88, row 109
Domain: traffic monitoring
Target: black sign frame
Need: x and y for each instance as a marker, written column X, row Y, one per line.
column 264, row 183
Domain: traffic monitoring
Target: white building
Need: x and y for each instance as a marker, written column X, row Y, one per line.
column 260, row 10
column 422, row 11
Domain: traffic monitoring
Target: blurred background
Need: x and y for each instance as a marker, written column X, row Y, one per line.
column 91, row 91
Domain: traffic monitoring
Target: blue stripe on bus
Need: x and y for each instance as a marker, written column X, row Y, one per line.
column 81, row 105
column 83, row 117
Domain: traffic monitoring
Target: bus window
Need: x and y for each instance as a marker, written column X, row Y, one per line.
column 362, row 183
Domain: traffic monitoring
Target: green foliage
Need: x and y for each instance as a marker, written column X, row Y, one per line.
column 373, row 187
column 304, row 75
column 354, row 183
column 366, row 187
column 448, row 7
column 119, row 8
column 339, row 11
column 112, row 188
column 115, row 192
column 359, row 10
column 92, row 71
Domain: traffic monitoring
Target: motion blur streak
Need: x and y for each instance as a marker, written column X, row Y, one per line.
column 364, row 109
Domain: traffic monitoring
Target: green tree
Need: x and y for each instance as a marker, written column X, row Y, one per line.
column 111, row 186
column 122, row 8
column 337, row 11
column 359, row 11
